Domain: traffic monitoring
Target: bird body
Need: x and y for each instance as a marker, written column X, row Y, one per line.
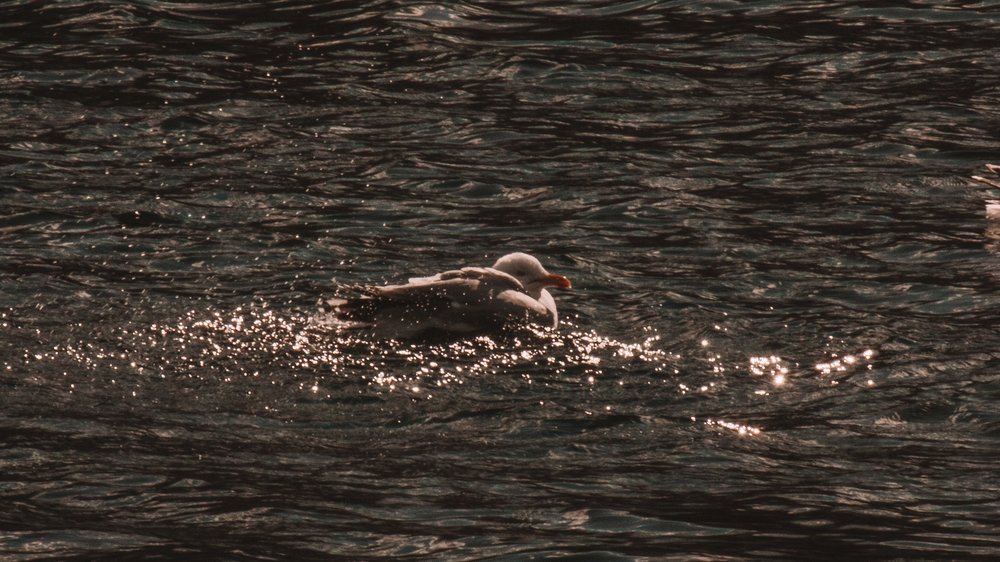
column 463, row 301
column 992, row 205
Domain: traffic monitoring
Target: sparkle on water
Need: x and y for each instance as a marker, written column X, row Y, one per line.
column 255, row 351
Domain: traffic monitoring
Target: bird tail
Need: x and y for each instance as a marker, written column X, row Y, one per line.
column 343, row 314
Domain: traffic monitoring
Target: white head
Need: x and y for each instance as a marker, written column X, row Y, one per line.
column 530, row 273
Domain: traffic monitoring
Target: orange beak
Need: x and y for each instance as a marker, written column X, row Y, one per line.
column 553, row 280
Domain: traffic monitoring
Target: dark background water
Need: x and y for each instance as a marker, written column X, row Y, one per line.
column 781, row 341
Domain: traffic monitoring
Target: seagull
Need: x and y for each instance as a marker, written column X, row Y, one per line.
column 466, row 301
column 992, row 205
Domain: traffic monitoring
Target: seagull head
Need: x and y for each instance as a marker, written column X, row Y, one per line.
column 529, row 271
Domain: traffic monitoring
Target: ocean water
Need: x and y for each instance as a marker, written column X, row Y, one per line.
column 781, row 341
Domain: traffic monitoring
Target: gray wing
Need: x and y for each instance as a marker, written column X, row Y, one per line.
column 470, row 273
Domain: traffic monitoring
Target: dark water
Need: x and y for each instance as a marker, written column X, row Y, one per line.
column 782, row 339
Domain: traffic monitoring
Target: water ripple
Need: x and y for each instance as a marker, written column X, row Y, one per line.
column 784, row 296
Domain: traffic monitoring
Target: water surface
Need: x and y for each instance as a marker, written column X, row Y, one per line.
column 781, row 340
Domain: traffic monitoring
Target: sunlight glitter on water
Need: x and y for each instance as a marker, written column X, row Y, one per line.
column 282, row 357
column 846, row 363
column 740, row 429
column 253, row 346
column 771, row 366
